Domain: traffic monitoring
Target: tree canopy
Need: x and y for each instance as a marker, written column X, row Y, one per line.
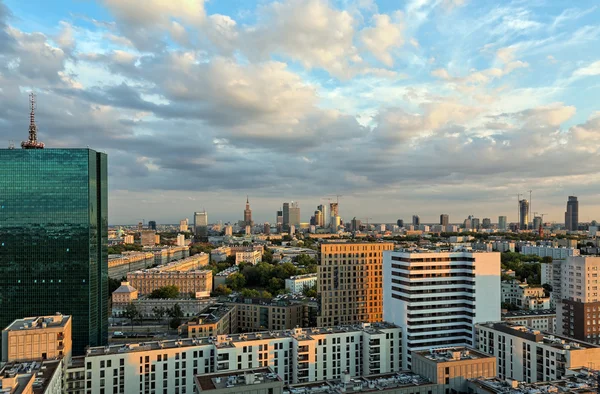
column 170, row 291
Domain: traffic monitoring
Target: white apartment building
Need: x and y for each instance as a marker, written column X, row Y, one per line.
column 250, row 256
column 529, row 355
column 524, row 296
column 297, row 356
column 504, row 246
column 547, row 270
column 436, row 298
column 543, row 320
column 544, row 251
column 296, row 284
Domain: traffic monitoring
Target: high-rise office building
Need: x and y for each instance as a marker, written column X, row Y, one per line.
column 349, row 282
column 444, row 220
column 475, row 223
column 537, row 223
column 201, row 224
column 523, row 214
column 326, row 213
column 416, row 220
column 572, row 214
column 286, row 215
column 501, row 222
column 248, row 214
column 400, row 223
column 355, row 224
column 279, row 218
column 152, row 225
column 486, row 223
column 54, row 238
column 438, row 297
column 318, row 218
column 334, row 209
column 294, row 214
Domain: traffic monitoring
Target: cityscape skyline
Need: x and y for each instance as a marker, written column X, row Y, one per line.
column 464, row 105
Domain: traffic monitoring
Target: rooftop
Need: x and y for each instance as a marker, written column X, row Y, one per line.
column 582, row 382
column 33, row 323
column 374, row 383
column 236, row 379
column 305, row 276
column 443, row 355
column 530, row 313
column 211, row 314
column 40, row 372
column 125, row 288
column 228, row 271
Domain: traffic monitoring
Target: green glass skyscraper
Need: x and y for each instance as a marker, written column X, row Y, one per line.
column 53, row 238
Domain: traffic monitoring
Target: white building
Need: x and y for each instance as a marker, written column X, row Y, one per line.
column 529, row 355
column 181, row 240
column 544, row 251
column 547, row 273
column 250, row 256
column 438, row 297
column 504, row 246
column 524, row 296
column 297, row 284
column 170, row 366
column 543, row 320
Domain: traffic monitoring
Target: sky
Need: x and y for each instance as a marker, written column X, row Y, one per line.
column 401, row 107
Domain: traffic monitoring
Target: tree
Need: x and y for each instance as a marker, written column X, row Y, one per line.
column 267, row 256
column 275, row 285
column 113, row 284
column 221, row 290
column 310, row 291
column 230, row 260
column 131, row 312
column 159, row 312
column 170, row 291
column 175, row 313
column 236, row 281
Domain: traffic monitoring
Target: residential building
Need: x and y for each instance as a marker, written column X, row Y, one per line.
column 555, row 253
column 128, row 239
column 438, row 297
column 297, row 284
column 201, row 224
column 221, row 277
column 584, row 382
column 183, row 225
column 524, row 296
column 228, row 231
column 32, row 377
column 254, row 380
column 256, row 314
column 547, row 273
column 444, row 220
column 502, row 223
column 197, row 282
column 453, row 366
column 171, row 366
column 572, row 214
column 216, row 319
column 266, row 228
column 148, row 238
column 54, row 238
column 541, row 319
column 181, row 240
column 37, row 338
column 578, row 309
column 164, row 255
column 529, row 355
column 504, row 246
column 349, row 282
column 523, row 214
column 251, row 256
column 124, row 294
column 146, row 306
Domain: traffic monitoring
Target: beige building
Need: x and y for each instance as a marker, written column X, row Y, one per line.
column 187, row 264
column 128, row 239
column 251, row 256
column 267, row 315
column 44, row 377
column 197, row 282
column 453, row 366
column 543, row 319
column 215, row 320
column 148, row 238
column 37, row 338
column 350, row 282
column 124, row 294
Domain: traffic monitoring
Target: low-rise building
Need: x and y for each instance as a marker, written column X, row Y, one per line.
column 124, row 294
column 32, row 377
column 198, row 282
column 164, row 255
column 221, row 277
column 541, row 319
column 548, row 251
column 120, row 264
column 255, row 381
column 529, row 355
column 214, row 320
column 37, row 338
column 584, row 382
column 186, row 264
column 251, row 256
column 190, row 307
column 524, row 296
column 297, row 284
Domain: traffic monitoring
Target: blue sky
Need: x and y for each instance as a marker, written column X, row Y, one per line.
column 404, row 107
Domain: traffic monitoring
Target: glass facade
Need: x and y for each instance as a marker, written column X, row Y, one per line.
column 54, row 237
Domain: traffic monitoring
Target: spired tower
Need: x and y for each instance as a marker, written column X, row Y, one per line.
column 248, row 214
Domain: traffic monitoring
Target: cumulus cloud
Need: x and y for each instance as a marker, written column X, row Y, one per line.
column 589, row 70
column 385, row 35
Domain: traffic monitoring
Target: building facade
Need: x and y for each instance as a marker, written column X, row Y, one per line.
column 197, row 282
column 523, row 214
column 349, row 282
column 572, row 214
column 502, row 223
column 201, row 224
column 297, row 284
column 555, row 253
column 444, row 220
column 438, row 297
column 54, row 238
column 543, row 320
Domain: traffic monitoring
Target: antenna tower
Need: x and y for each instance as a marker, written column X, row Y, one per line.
column 32, row 143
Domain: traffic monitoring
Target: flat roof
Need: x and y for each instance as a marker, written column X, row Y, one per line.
column 452, row 354
column 34, row 323
column 530, row 313
column 236, row 379
column 582, row 382
column 42, row 372
column 373, row 383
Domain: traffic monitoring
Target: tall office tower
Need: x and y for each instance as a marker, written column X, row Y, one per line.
column 183, row 225
column 279, row 218
column 572, row 214
column 54, row 238
column 501, row 222
column 579, row 304
column 438, row 297
column 324, row 208
column 248, row 214
column 286, row 215
column 400, row 223
column 334, row 209
column 318, row 218
column 537, row 223
column 355, row 224
column 201, row 224
column 416, row 221
column 152, row 225
column 467, row 223
column 444, row 220
column 267, row 228
column 523, row 214
column 487, row 223
column 294, row 214
column 349, row 283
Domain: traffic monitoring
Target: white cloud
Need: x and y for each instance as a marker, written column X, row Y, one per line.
column 385, row 35
column 589, row 70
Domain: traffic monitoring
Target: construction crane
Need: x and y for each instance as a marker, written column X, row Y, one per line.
column 337, row 196
column 367, row 219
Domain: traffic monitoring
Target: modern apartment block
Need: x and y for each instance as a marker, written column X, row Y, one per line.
column 297, row 356
column 438, row 297
column 297, row 284
column 524, row 296
column 349, row 282
column 543, row 319
column 555, row 252
column 529, row 355
column 578, row 309
column 37, row 338
column 54, row 239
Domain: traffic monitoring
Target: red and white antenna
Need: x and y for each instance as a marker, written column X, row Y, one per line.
column 33, row 143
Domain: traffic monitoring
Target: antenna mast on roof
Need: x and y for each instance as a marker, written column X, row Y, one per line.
column 32, row 143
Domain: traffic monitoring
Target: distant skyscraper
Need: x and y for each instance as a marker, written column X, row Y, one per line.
column 279, row 218
column 474, row 223
column 286, row 215
column 501, row 222
column 294, row 214
column 183, row 225
column 400, row 223
column 537, row 222
column 416, row 221
column 444, row 220
column 152, row 225
column 318, row 218
column 54, row 239
column 267, row 228
column 201, row 224
column 247, row 214
column 324, row 208
column 572, row 214
column 523, row 214
column 323, row 211
column 487, row 223
column 355, row 225
column 333, row 212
